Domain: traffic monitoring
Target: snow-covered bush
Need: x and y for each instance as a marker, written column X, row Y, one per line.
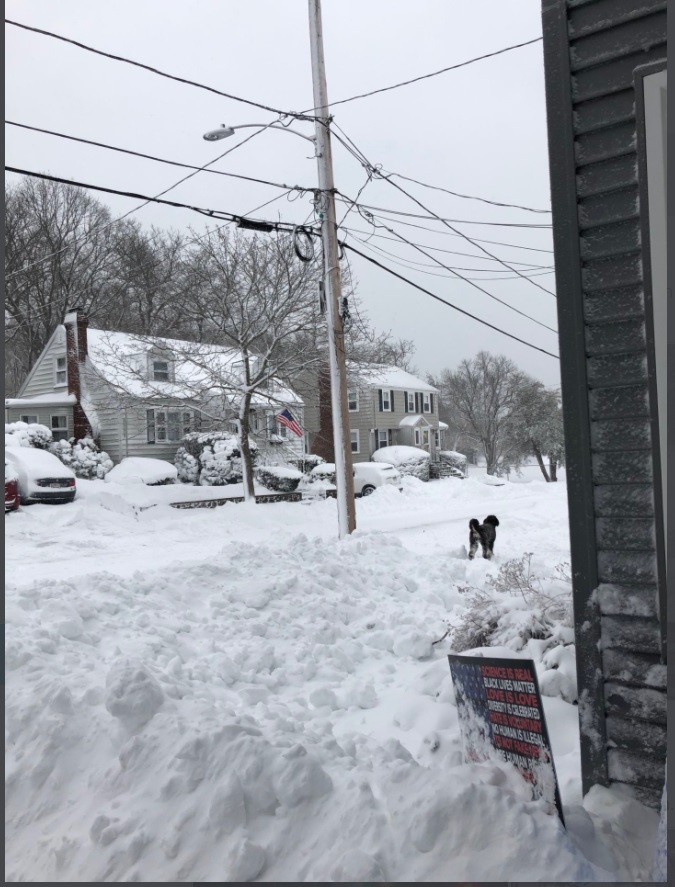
column 455, row 460
column 187, row 466
column 307, row 462
column 278, row 478
column 211, row 458
column 409, row 461
column 21, row 434
column 83, row 457
column 323, row 473
column 516, row 607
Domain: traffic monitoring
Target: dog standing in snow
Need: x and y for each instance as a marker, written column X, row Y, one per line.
column 484, row 535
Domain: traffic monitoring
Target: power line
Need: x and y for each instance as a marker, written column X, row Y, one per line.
column 479, row 58
column 444, row 302
column 222, row 214
column 134, row 209
column 118, row 58
column 470, row 281
column 216, row 172
column 375, row 171
column 468, row 196
column 418, row 266
column 527, row 266
column 398, row 212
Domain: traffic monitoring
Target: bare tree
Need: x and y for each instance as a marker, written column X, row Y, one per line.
column 537, row 427
column 483, row 394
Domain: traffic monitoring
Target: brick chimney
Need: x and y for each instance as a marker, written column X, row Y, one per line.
column 324, row 444
column 76, row 351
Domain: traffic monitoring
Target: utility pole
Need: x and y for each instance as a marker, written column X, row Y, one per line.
column 344, row 479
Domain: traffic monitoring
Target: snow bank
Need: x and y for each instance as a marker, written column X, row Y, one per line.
column 232, row 694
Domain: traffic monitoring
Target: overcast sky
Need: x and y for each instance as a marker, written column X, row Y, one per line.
column 480, row 130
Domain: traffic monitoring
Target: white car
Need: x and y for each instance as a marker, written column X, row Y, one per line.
column 368, row 476
column 41, row 476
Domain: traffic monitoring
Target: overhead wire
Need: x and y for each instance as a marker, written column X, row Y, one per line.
column 146, row 199
column 455, row 67
column 216, row 172
column 298, row 115
column 376, row 172
column 470, row 281
column 445, row 302
column 526, row 265
column 432, row 215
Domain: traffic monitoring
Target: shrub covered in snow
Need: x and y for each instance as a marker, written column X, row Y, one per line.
column 21, row 434
column 323, row 473
column 211, row 458
column 455, row 460
column 410, row 461
column 307, row 462
column 82, row 456
column 278, row 478
column 516, row 607
column 142, row 470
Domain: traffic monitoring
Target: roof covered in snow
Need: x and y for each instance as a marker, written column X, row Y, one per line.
column 409, row 421
column 198, row 369
column 383, row 376
column 58, row 399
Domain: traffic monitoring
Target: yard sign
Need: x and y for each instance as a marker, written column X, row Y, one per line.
column 500, row 710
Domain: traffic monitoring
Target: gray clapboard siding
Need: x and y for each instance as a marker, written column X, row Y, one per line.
column 639, row 669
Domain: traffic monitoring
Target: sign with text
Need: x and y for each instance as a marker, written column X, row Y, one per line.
column 500, row 710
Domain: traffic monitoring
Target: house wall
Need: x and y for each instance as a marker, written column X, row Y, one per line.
column 41, row 379
column 44, row 415
column 592, row 49
column 369, row 417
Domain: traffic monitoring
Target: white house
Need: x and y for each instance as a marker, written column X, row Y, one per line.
column 139, row 395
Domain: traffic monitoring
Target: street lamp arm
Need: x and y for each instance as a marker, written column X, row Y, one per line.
column 225, row 131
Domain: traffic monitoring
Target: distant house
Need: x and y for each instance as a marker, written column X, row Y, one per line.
column 606, row 86
column 387, row 406
column 139, row 395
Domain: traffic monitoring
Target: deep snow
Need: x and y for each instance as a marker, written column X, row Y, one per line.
column 232, row 694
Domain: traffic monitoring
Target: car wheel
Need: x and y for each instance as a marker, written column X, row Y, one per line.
column 367, row 490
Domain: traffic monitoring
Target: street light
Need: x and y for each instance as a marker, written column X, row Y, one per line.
column 344, row 480
column 224, row 131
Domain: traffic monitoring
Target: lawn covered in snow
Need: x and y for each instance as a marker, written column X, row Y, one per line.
column 232, row 694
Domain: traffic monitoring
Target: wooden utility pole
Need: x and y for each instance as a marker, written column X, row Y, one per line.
column 344, row 480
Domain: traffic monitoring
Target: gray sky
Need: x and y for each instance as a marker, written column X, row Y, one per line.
column 480, row 130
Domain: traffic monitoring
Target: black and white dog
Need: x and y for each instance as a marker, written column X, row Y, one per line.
column 484, row 535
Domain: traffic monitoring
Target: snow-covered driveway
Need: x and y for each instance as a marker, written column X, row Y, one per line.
column 232, row 694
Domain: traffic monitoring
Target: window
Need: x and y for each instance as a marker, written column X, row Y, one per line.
column 418, row 439
column 60, row 374
column 411, row 402
column 353, row 400
column 355, row 442
column 60, row 427
column 160, row 371
column 29, row 420
column 385, row 401
column 167, row 426
column 426, row 403
column 437, row 439
column 382, row 439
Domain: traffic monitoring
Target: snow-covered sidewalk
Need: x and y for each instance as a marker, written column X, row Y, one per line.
column 232, row 694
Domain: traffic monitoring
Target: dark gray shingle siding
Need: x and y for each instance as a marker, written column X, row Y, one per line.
column 595, row 45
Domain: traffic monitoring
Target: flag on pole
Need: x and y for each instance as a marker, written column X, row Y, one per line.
column 287, row 418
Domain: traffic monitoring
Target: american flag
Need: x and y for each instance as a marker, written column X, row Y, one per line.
column 287, row 418
column 472, row 707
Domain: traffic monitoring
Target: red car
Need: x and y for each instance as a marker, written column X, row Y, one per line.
column 11, row 489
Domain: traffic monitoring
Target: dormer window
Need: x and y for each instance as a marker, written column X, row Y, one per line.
column 160, row 371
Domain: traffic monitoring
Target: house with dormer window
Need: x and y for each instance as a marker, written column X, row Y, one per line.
column 140, row 395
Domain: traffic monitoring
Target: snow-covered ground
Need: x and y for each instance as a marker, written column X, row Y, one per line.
column 232, row 694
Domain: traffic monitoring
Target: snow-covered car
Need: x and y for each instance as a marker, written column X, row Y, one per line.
column 368, row 476
column 142, row 470
column 11, row 488
column 41, row 476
